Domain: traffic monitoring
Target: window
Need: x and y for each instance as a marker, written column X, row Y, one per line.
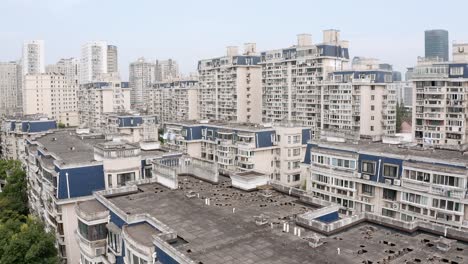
column 371, row 128
column 296, row 152
column 296, row 177
column 367, row 189
column 114, row 241
column 368, row 167
column 446, row 205
column 92, row 232
column 372, row 118
column 389, row 194
column 109, row 180
column 372, row 107
column 123, row 178
column 372, row 97
column 446, row 180
column 456, row 71
column 148, row 172
column 390, row 170
column 414, row 198
column 134, row 259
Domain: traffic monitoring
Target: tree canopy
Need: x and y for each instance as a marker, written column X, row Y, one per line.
column 22, row 236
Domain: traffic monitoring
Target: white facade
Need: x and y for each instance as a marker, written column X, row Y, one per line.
column 359, row 104
column 166, row 70
column 112, row 59
column 10, row 88
column 33, row 57
column 275, row 151
column 109, row 95
column 174, row 101
column 53, row 95
column 291, row 78
column 69, row 67
column 230, row 87
column 440, row 99
column 93, row 61
column 142, row 74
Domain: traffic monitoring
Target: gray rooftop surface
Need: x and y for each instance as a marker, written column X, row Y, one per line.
column 217, row 235
column 378, row 147
column 61, row 143
column 142, row 233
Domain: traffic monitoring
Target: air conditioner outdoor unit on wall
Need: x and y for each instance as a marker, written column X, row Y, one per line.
column 397, row 182
column 387, row 181
column 366, row 177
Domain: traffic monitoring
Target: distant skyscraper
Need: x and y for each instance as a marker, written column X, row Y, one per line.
column 396, row 76
column 141, row 76
column 436, row 44
column 112, row 59
column 166, row 70
column 10, row 87
column 68, row 67
column 93, row 61
column 33, row 57
column 409, row 73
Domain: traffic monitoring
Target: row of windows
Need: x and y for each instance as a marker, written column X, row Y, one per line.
column 389, row 170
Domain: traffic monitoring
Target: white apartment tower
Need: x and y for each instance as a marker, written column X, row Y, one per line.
column 174, row 101
column 10, row 87
column 53, row 95
column 93, row 61
column 33, row 57
column 440, row 99
column 69, row 67
column 166, row 70
column 358, row 103
column 112, row 59
column 96, row 99
column 292, row 77
column 141, row 76
column 230, row 86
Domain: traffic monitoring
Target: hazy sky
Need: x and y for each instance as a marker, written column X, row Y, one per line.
column 392, row 31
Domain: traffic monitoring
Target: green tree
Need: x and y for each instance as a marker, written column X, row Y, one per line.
column 61, row 125
column 28, row 244
column 22, row 237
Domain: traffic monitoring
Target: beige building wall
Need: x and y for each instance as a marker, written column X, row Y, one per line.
column 70, row 223
column 53, row 95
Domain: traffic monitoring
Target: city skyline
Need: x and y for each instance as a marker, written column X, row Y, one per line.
column 397, row 38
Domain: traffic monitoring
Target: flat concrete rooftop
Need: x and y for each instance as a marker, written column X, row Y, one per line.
column 216, row 234
column 385, row 149
column 69, row 147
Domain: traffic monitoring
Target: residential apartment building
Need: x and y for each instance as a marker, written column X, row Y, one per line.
column 112, row 59
column 404, row 93
column 230, row 86
column 400, row 182
column 69, row 67
column 65, row 167
column 53, row 95
column 96, row 99
column 292, row 78
column 174, row 101
column 276, row 151
column 142, row 74
column 360, row 103
column 15, row 130
column 93, row 61
column 133, row 128
column 33, row 57
column 166, row 70
column 10, row 88
column 439, row 102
